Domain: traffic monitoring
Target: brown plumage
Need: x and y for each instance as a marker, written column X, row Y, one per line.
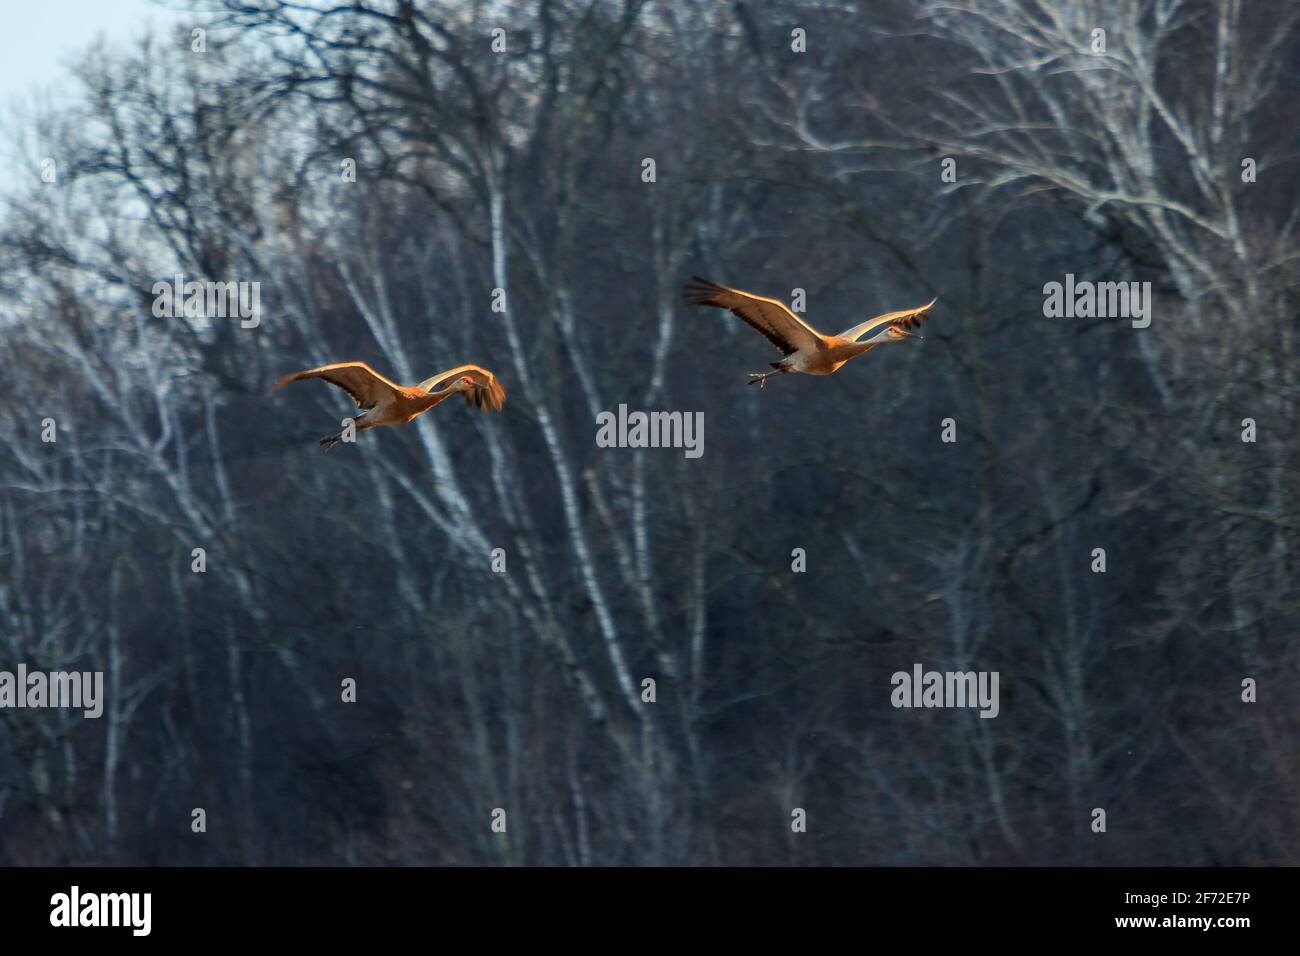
column 387, row 403
column 805, row 349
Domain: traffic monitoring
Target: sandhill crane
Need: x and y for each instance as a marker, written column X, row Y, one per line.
column 806, row 350
column 387, row 403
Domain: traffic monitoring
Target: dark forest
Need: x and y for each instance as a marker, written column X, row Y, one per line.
column 633, row 656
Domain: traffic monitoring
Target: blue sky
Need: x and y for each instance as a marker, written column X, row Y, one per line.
column 40, row 37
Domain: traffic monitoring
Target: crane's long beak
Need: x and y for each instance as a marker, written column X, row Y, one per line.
column 912, row 335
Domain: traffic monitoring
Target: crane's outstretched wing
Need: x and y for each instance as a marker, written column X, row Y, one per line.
column 487, row 395
column 907, row 319
column 366, row 386
column 778, row 324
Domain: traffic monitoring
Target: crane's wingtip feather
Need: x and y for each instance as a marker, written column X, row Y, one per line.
column 489, row 397
column 701, row 291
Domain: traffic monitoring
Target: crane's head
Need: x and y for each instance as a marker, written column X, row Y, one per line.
column 465, row 384
column 896, row 333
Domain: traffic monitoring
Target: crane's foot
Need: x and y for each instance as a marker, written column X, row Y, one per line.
column 758, row 378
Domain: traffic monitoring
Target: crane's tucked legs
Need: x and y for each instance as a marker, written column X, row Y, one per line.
column 760, row 378
column 359, row 424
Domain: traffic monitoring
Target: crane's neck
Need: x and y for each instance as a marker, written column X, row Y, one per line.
column 430, row 399
column 842, row 353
